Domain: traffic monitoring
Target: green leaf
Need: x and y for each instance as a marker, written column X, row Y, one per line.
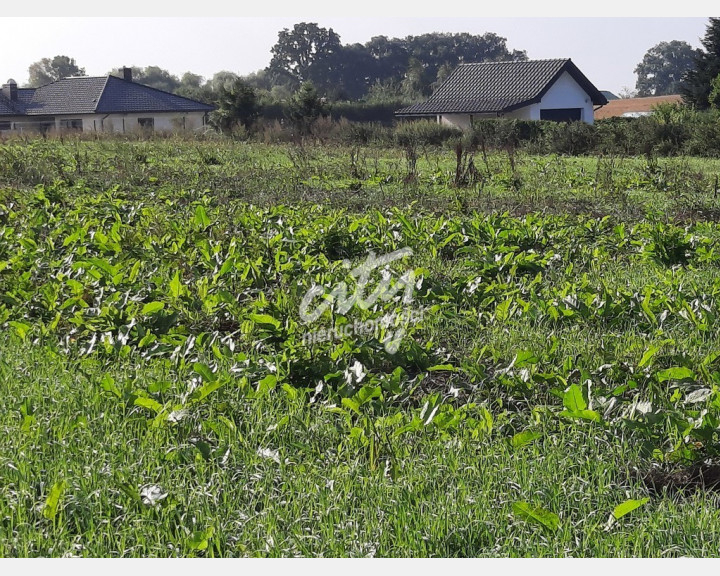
column 538, row 515
column 628, row 506
column 589, row 415
column 573, row 399
column 149, row 403
column 204, row 371
column 649, row 353
column 290, row 391
column 645, row 304
column 201, row 539
column 675, row 373
column 442, row 368
column 53, row 500
column 205, row 390
column 525, row 358
column 176, row 287
column 265, row 320
column 153, row 307
column 367, row 393
column 362, row 396
column 524, row 438
column 21, row 328
column 266, row 384
column 108, row 384
column 352, row 404
column 201, row 218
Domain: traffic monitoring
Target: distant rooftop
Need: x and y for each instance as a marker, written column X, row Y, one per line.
column 489, row 87
column 634, row 106
column 95, row 95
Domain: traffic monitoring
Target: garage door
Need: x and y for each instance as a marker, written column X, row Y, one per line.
column 562, row 114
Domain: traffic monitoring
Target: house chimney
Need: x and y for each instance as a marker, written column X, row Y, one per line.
column 9, row 90
column 127, row 74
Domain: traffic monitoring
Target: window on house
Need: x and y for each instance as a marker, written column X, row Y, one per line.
column 5, row 125
column 146, row 123
column 562, row 114
column 75, row 124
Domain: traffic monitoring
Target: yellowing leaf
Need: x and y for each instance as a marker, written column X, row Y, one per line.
column 628, row 506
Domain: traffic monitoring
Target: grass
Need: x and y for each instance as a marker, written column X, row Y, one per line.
column 453, row 496
column 157, row 400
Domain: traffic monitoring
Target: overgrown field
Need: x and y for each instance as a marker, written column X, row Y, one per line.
column 546, row 380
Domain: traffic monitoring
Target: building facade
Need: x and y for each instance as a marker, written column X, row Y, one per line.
column 98, row 104
column 528, row 90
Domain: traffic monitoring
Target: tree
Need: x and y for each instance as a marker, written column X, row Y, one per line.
column 236, row 105
column 305, row 53
column 356, row 71
column 697, row 85
column 663, row 67
column 627, row 92
column 714, row 98
column 305, row 108
column 51, row 69
column 153, row 76
column 222, row 79
column 414, row 84
column 194, row 86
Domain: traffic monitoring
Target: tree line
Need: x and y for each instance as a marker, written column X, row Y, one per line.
column 391, row 70
column 382, row 69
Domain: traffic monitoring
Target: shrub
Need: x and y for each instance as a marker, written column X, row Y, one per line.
column 574, row 138
column 424, row 133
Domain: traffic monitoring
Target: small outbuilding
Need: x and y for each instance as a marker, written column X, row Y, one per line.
column 528, row 90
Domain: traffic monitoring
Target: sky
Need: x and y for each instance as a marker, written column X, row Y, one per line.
column 607, row 50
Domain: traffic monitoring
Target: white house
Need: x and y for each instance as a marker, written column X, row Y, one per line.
column 529, row 90
column 97, row 104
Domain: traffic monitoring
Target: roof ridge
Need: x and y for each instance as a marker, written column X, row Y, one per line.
column 157, row 89
column 515, row 61
column 102, row 93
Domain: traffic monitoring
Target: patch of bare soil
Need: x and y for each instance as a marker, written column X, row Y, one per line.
column 700, row 476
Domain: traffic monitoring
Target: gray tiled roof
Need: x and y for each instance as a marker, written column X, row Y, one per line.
column 122, row 96
column 491, row 87
column 67, row 96
column 96, row 95
column 16, row 108
column 6, row 109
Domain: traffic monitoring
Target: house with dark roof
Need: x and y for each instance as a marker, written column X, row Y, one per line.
column 530, row 90
column 97, row 104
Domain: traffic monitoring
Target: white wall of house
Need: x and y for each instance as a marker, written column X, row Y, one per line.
column 8, row 123
column 163, row 122
column 119, row 123
column 564, row 93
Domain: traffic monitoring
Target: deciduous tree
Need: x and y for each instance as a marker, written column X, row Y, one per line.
column 306, row 53
column 51, row 69
column 663, row 67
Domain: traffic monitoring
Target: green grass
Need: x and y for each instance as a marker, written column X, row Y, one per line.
column 149, row 296
column 453, row 495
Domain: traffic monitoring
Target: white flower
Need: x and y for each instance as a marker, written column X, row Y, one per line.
column 151, row 494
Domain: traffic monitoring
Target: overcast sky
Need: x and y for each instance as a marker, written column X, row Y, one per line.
column 605, row 49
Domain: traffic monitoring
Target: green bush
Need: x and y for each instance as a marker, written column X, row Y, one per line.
column 425, row 133
column 574, row 138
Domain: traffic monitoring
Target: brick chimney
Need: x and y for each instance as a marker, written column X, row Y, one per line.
column 9, row 90
column 127, row 74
